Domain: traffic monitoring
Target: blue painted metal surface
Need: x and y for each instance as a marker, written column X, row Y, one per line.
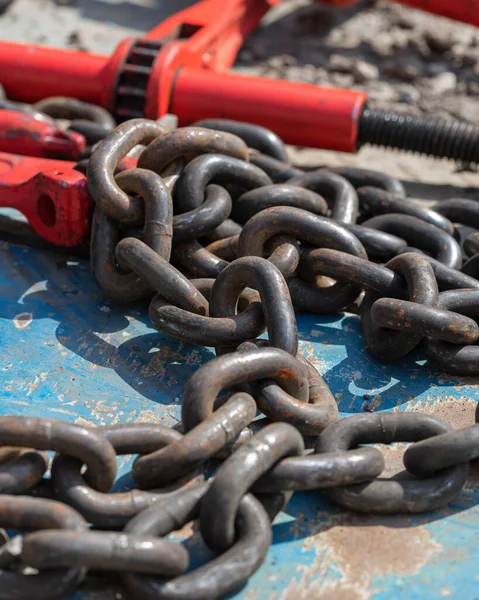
column 67, row 354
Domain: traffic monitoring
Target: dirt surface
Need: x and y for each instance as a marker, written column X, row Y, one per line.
column 404, row 59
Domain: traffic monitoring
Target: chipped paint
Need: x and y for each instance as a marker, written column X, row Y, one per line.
column 22, row 320
column 33, row 385
column 85, row 422
column 373, row 404
column 393, row 456
column 459, row 412
column 359, row 553
column 306, row 349
column 156, row 366
column 446, row 592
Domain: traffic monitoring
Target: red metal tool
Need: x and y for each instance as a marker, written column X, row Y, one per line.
column 52, row 196
column 21, row 133
column 461, row 10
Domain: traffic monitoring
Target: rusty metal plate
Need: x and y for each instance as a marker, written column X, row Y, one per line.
column 65, row 353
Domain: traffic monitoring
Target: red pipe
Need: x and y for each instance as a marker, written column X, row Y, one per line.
column 458, row 10
column 31, row 73
column 465, row 10
column 301, row 114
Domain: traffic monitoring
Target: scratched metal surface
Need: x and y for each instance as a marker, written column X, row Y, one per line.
column 67, row 354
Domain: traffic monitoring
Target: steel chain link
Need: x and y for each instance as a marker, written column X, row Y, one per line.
column 225, row 239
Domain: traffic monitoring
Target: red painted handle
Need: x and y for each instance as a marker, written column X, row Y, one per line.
column 30, row 73
column 21, row 133
column 301, row 114
column 459, row 10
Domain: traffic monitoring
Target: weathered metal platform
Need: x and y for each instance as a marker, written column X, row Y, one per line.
column 65, row 353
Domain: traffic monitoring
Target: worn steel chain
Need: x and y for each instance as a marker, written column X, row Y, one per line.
column 225, row 239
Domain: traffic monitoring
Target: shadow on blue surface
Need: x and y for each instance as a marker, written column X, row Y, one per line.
column 154, row 365
column 391, row 383
column 95, row 331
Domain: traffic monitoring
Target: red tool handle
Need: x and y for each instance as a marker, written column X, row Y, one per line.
column 51, row 195
column 21, row 133
column 301, row 114
column 459, row 10
column 32, row 72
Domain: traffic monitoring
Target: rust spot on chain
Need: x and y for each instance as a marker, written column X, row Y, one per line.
column 286, row 374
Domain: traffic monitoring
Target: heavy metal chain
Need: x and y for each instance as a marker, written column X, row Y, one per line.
column 225, row 241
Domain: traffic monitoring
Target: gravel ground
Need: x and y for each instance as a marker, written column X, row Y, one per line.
column 406, row 60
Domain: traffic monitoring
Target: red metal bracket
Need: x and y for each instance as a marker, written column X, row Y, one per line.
column 51, row 195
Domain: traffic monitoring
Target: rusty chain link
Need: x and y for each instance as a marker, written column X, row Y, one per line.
column 224, row 239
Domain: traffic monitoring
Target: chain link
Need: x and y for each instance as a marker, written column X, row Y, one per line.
column 225, row 239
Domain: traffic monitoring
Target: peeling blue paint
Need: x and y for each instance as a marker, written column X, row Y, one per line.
column 67, row 354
